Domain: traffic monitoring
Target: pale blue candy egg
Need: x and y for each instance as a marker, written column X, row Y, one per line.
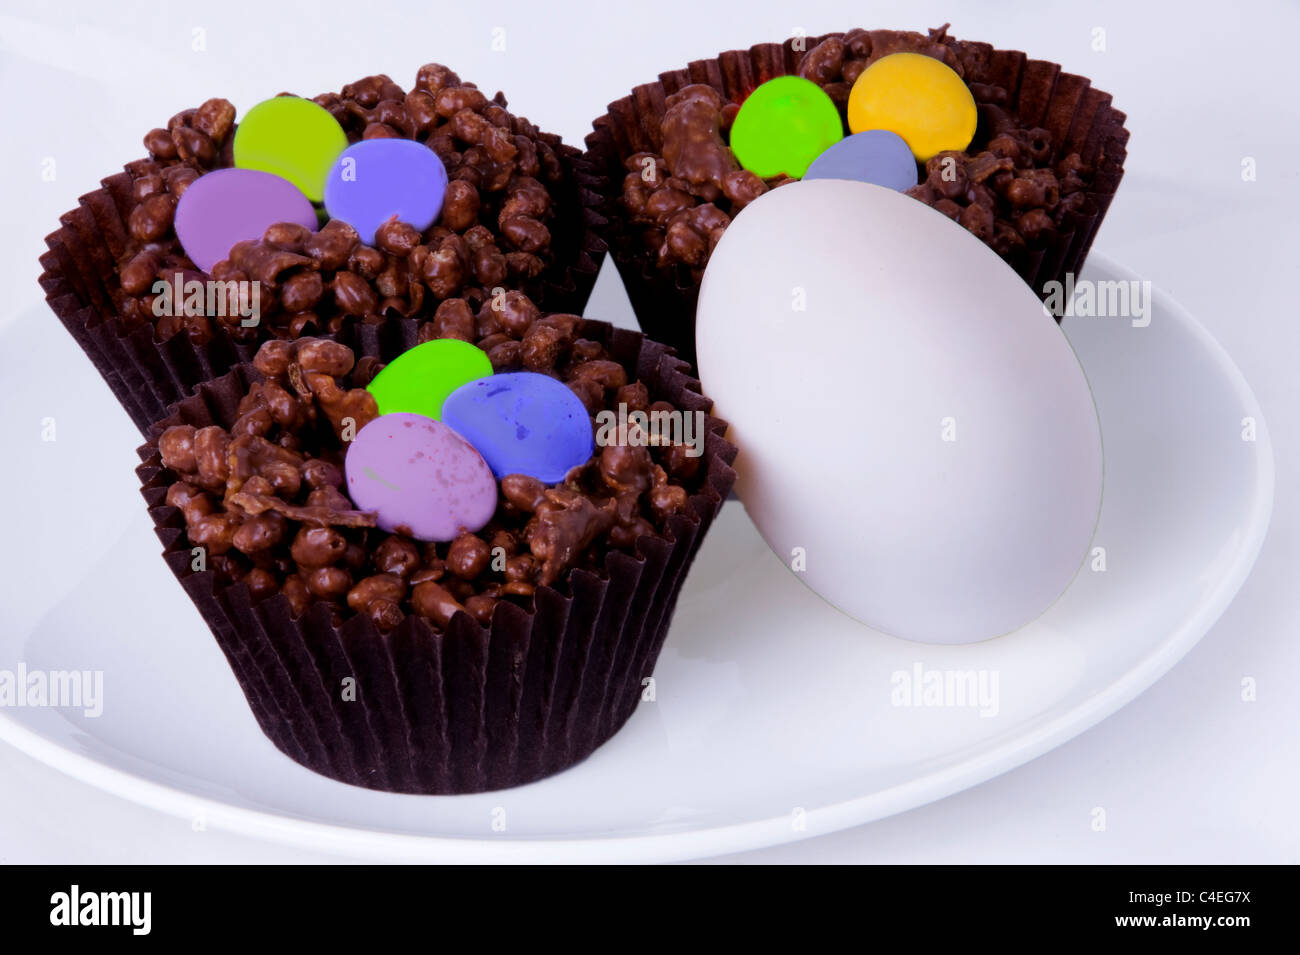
column 874, row 155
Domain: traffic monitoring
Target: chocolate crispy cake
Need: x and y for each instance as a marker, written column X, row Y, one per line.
column 1033, row 184
column 486, row 661
column 514, row 216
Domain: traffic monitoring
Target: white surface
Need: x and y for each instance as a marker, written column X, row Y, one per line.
column 1189, row 771
column 777, row 717
column 925, row 448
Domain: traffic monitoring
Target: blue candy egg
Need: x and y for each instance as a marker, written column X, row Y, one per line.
column 522, row 423
column 875, row 155
column 376, row 179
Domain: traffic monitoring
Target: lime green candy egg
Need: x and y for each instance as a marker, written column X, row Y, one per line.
column 783, row 126
column 420, row 379
column 292, row 138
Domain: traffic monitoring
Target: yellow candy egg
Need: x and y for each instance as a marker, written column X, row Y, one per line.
column 917, row 97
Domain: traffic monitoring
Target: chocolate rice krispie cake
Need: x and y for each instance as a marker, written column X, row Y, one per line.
column 516, row 215
column 488, row 660
column 1033, row 184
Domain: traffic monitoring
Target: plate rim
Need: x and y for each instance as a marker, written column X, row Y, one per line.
column 691, row 843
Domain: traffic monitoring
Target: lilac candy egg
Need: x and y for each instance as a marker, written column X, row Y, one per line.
column 420, row 477
column 376, row 179
column 522, row 423
column 227, row 206
column 877, row 156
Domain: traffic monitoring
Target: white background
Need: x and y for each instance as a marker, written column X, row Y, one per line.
column 1188, row 772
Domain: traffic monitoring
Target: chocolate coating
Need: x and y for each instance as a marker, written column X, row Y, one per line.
column 495, row 229
column 267, row 493
column 685, row 197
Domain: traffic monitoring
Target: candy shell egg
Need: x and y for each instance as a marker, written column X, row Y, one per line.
column 420, row 379
column 875, row 155
column 522, row 423
column 227, row 206
column 917, row 439
column 920, row 98
column 290, row 137
column 376, row 179
column 420, row 477
column 783, row 125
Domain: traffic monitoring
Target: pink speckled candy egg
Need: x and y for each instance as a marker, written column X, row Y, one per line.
column 420, row 477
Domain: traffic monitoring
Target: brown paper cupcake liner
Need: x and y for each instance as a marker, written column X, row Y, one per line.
column 1080, row 118
column 82, row 288
column 473, row 708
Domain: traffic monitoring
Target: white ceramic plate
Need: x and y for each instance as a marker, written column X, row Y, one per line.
column 776, row 717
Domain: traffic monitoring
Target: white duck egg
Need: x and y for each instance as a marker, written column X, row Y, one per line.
column 918, row 442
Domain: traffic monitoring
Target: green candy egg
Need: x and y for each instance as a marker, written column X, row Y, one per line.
column 292, row 138
column 420, row 379
column 783, row 126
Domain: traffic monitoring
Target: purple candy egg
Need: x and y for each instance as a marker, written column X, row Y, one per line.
column 227, row 206
column 420, row 477
column 376, row 179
